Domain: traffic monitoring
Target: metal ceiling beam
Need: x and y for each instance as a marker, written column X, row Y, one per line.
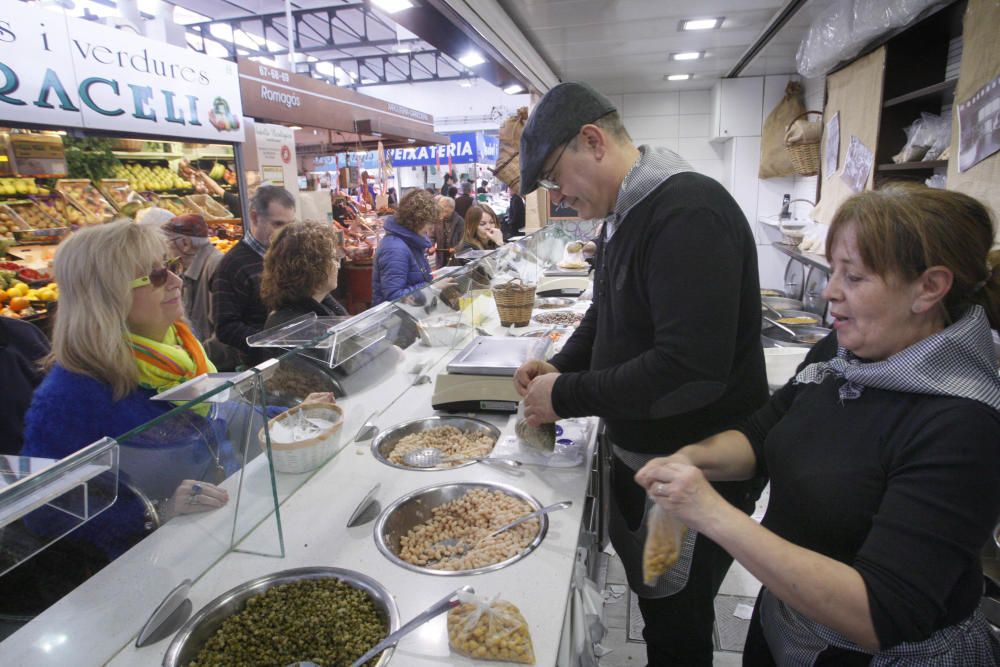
column 778, row 22
column 389, row 68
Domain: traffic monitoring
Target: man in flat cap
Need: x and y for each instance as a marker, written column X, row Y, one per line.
column 188, row 238
column 669, row 352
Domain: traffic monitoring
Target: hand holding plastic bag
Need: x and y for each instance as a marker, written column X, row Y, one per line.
column 664, row 536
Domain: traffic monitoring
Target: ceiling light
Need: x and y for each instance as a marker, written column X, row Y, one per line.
column 392, row 6
column 326, row 68
column 187, row 17
column 677, row 77
column 294, row 127
column 686, row 55
column 471, row 59
column 701, row 24
column 514, row 89
column 411, row 140
column 366, row 81
column 402, row 48
column 465, row 83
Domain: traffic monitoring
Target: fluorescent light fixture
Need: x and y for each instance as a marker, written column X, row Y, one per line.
column 326, row 68
column 465, row 83
column 677, row 77
column 686, row 55
column 366, row 81
column 402, row 48
column 514, row 89
column 392, row 6
column 411, row 140
column 187, row 17
column 294, row 127
column 471, row 59
column 701, row 24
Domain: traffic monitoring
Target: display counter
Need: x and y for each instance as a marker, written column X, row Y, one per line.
column 383, row 365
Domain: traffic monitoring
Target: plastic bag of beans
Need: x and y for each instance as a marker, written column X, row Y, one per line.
column 489, row 630
column 664, row 535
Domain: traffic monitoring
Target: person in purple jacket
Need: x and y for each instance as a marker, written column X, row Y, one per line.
column 401, row 265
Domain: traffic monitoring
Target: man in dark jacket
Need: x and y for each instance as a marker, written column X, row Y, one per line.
column 237, row 311
column 448, row 231
column 668, row 353
column 22, row 347
column 464, row 200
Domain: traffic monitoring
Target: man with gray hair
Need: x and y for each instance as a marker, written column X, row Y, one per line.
column 465, row 200
column 188, row 238
column 669, row 350
column 448, row 231
column 236, row 306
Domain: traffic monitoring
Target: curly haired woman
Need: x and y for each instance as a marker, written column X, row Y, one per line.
column 300, row 273
column 401, row 265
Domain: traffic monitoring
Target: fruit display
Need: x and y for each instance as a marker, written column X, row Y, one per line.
column 82, row 192
column 223, row 245
column 156, row 178
column 19, row 187
column 17, row 299
column 174, row 204
column 208, row 207
column 222, row 173
column 35, row 226
column 9, row 223
column 33, row 215
column 201, row 181
column 61, row 210
column 119, row 192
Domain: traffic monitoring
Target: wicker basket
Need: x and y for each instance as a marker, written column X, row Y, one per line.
column 515, row 301
column 804, row 157
column 309, row 453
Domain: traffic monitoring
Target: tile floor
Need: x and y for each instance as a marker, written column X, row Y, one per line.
column 627, row 653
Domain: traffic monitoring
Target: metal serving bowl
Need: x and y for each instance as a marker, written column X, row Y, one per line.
column 772, row 292
column 806, row 336
column 553, row 302
column 190, row 639
column 780, row 304
column 816, row 319
column 415, row 508
column 386, row 441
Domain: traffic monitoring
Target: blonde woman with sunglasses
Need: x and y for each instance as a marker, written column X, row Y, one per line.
column 120, row 337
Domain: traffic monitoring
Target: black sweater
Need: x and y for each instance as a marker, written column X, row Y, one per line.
column 236, row 306
column 22, row 346
column 903, row 487
column 669, row 352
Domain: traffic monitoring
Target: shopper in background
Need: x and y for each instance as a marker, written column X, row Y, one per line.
column 393, row 200
column 483, row 189
column 446, row 185
column 883, row 451
column 188, row 239
column 465, row 200
column 300, row 273
column 22, row 347
column 448, row 230
column 401, row 265
column 482, row 232
column 119, row 339
column 237, row 309
column 666, row 352
column 515, row 216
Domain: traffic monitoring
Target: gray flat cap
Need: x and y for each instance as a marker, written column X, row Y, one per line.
column 556, row 119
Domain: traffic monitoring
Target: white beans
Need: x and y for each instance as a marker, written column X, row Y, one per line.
column 469, row 519
column 451, row 441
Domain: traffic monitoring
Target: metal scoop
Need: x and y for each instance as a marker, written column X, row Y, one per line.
column 431, row 457
column 453, row 541
column 781, row 326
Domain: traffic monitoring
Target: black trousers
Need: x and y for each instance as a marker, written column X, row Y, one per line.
column 678, row 628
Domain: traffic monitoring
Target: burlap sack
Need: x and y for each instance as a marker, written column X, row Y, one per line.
column 774, row 159
column 508, row 166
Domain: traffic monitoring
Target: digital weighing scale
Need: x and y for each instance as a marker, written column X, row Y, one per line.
column 481, row 377
column 563, row 283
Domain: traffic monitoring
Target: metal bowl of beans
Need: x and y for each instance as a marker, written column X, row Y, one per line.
column 200, row 628
column 805, row 336
column 425, row 431
column 553, row 302
column 781, row 304
column 561, row 317
column 412, row 513
column 793, row 318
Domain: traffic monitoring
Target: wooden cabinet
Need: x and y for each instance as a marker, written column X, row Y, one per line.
column 737, row 108
column 917, row 79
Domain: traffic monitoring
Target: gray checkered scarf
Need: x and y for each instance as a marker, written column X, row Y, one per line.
column 654, row 166
column 958, row 361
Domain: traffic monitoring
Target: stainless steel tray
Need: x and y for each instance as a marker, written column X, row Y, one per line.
column 490, row 355
column 418, row 506
column 385, row 442
column 200, row 627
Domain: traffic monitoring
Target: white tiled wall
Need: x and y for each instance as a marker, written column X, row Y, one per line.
column 678, row 121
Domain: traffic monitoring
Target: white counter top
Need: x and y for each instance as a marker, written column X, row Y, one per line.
column 99, row 621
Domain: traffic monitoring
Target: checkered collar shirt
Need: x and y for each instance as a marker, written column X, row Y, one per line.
column 958, row 361
column 653, row 167
column 257, row 246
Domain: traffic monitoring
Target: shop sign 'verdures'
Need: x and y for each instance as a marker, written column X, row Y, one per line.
column 65, row 72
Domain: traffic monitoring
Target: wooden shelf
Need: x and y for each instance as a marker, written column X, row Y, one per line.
column 913, row 166
column 145, row 155
column 807, row 258
column 942, row 89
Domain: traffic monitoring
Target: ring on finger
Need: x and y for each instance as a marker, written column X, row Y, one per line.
column 659, row 489
column 196, row 489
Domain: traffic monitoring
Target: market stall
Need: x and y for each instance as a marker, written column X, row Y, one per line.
column 105, row 138
column 295, row 502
